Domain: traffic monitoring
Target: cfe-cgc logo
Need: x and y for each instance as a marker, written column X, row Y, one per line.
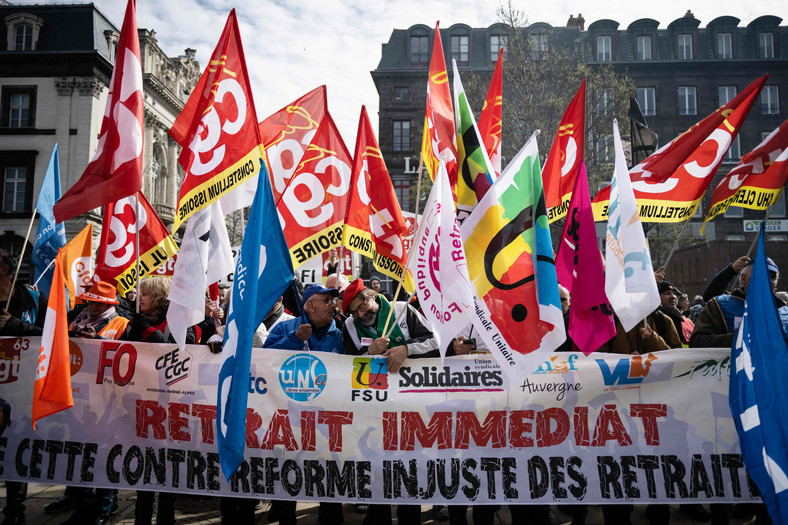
column 628, row 372
column 174, row 365
column 303, row 377
column 369, row 379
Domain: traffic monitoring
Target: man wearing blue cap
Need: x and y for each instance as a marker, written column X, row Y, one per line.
column 717, row 323
column 315, row 330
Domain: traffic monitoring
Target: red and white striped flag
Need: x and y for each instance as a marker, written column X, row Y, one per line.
column 52, row 390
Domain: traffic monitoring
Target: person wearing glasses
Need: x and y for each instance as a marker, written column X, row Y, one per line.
column 316, row 330
column 318, row 334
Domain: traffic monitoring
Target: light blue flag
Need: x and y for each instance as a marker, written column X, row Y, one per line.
column 758, row 397
column 263, row 272
column 50, row 236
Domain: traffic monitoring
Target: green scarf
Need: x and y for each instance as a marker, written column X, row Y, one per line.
column 397, row 337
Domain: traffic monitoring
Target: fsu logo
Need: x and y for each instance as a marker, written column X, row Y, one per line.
column 370, row 380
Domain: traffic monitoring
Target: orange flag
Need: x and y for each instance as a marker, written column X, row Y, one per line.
column 77, row 264
column 52, row 389
column 374, row 225
column 438, row 139
column 490, row 117
column 563, row 162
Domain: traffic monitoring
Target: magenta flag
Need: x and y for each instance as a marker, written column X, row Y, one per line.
column 580, row 270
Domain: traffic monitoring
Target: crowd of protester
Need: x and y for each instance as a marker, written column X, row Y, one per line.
column 349, row 318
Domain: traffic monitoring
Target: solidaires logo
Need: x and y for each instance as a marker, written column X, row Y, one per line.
column 303, row 377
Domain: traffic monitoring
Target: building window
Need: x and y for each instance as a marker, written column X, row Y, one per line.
column 604, row 149
column 687, row 101
column 724, row 45
column 644, row 47
column 604, row 49
column 402, row 191
column 647, row 102
column 419, row 50
column 734, row 152
column 604, row 104
column 766, row 45
column 540, row 43
column 685, row 47
column 19, row 107
column 22, row 31
column 497, row 42
column 401, row 94
column 23, row 37
column 770, row 100
column 725, row 94
column 459, row 49
column 734, row 212
column 765, row 135
column 778, row 209
column 14, row 189
column 401, row 135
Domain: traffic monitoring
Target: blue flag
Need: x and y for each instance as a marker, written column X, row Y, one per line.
column 263, row 272
column 50, row 236
column 758, row 396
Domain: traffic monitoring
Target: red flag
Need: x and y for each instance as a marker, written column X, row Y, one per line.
column 579, row 268
column 218, row 129
column 664, row 162
column 314, row 204
column 758, row 180
column 374, row 225
column 439, row 134
column 490, row 117
column 287, row 133
column 52, row 389
column 675, row 198
column 563, row 161
column 77, row 264
column 115, row 261
column 116, row 169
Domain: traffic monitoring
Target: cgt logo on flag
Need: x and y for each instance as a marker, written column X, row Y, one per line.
column 628, row 371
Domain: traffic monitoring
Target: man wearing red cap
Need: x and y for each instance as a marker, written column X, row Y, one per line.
column 97, row 318
column 363, row 332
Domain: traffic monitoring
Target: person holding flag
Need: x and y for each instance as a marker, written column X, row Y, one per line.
column 51, row 235
column 24, row 317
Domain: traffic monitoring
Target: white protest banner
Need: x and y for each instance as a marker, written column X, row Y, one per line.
column 599, row 429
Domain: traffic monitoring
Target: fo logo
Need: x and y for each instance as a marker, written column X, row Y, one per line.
column 303, row 377
column 628, row 370
column 370, row 379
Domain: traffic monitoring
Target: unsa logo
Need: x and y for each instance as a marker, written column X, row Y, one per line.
column 303, row 377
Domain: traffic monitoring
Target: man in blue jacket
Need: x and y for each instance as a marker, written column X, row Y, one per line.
column 318, row 332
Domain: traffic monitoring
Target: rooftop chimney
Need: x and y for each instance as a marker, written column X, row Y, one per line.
column 578, row 22
column 689, row 14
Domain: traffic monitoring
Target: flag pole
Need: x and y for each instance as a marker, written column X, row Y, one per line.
column 675, row 245
column 137, row 248
column 755, row 241
column 44, row 272
column 19, row 262
column 410, row 252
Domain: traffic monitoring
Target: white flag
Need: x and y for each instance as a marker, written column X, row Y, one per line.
column 204, row 258
column 438, row 265
column 629, row 276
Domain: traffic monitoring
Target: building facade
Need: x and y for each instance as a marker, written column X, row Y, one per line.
column 682, row 73
column 56, row 62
